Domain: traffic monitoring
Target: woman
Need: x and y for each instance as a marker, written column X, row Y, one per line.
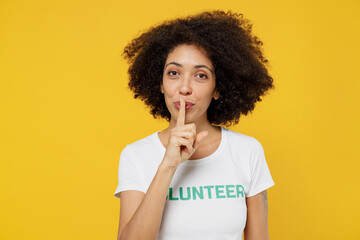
column 196, row 180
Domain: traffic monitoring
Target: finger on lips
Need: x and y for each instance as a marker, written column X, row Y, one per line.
column 187, row 146
column 181, row 116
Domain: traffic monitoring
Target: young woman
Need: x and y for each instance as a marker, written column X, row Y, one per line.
column 196, row 179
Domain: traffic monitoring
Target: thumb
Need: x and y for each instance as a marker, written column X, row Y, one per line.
column 199, row 137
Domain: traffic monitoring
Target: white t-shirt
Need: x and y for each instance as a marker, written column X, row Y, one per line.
column 206, row 198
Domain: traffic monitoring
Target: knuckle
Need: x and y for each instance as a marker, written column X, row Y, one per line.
column 189, row 147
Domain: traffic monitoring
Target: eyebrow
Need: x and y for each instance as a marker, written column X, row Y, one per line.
column 196, row 66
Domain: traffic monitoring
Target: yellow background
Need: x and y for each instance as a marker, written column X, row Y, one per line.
column 66, row 113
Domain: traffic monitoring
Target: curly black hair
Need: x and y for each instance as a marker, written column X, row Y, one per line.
column 236, row 54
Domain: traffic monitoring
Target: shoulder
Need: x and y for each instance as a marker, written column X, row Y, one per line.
column 240, row 140
column 144, row 151
column 143, row 143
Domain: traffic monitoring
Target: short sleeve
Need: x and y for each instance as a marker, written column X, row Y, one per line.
column 128, row 174
column 260, row 174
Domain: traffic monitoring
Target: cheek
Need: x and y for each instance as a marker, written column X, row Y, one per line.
column 169, row 94
column 169, row 89
column 206, row 91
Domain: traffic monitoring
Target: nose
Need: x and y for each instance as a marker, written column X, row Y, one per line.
column 185, row 88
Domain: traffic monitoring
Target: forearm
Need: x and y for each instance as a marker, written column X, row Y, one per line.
column 146, row 220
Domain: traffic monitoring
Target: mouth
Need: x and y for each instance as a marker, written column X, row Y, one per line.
column 188, row 105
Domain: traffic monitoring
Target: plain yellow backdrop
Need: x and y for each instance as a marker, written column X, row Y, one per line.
column 66, row 113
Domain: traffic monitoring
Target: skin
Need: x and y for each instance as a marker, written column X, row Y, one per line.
column 189, row 73
column 188, row 76
column 256, row 227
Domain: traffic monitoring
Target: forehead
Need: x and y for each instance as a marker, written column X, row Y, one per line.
column 188, row 54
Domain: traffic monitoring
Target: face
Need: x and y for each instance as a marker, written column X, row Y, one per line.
column 189, row 73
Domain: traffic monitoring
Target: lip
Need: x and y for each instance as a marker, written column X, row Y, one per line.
column 188, row 105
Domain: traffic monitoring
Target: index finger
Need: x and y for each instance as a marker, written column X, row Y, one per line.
column 181, row 116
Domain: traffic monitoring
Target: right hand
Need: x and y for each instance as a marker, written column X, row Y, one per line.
column 183, row 140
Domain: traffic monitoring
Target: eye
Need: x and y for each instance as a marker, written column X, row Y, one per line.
column 173, row 73
column 202, row 76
